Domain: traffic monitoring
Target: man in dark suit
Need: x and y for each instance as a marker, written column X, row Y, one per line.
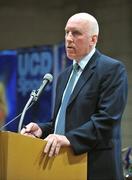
column 93, row 112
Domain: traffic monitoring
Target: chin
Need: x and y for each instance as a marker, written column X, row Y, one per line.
column 70, row 56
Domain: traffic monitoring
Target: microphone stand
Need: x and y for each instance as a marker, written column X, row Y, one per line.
column 33, row 98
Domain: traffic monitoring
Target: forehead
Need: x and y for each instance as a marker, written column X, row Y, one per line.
column 76, row 23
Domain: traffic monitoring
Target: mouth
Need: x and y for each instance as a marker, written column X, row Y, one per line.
column 70, row 47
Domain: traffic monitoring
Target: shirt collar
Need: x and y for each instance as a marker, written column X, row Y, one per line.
column 82, row 63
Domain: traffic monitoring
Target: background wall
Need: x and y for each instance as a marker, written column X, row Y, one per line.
column 29, row 23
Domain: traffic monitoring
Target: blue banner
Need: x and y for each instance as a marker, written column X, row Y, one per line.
column 21, row 72
column 32, row 65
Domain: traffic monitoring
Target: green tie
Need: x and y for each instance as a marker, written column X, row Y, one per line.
column 60, row 127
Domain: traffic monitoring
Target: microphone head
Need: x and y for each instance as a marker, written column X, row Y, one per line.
column 48, row 77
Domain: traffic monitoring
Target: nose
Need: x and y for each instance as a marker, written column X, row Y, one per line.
column 69, row 36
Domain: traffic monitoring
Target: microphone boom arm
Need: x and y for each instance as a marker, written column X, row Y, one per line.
column 33, row 98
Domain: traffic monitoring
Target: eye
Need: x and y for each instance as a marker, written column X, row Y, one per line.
column 66, row 32
column 75, row 33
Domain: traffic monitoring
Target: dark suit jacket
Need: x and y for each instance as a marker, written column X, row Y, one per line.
column 93, row 115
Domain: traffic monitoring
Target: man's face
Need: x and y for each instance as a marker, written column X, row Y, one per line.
column 77, row 39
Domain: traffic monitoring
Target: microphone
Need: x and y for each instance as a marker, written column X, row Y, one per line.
column 48, row 78
column 34, row 97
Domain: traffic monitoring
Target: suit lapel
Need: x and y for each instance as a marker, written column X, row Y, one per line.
column 62, row 85
column 85, row 76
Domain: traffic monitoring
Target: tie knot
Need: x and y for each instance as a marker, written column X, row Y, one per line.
column 76, row 67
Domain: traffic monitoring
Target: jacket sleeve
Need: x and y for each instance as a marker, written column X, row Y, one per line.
column 47, row 128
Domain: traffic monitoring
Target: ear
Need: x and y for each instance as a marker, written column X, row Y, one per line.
column 94, row 40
